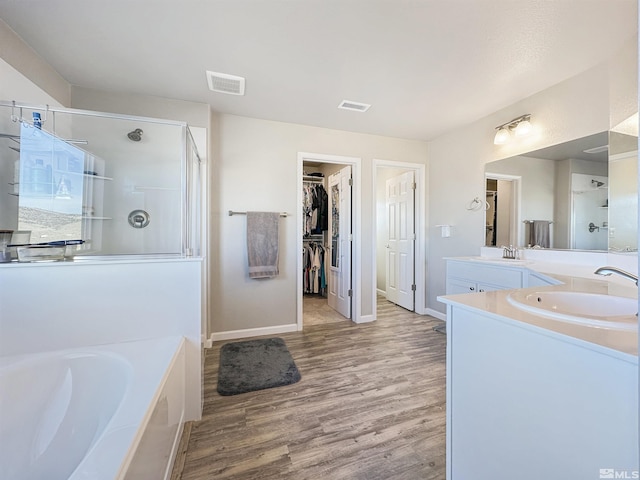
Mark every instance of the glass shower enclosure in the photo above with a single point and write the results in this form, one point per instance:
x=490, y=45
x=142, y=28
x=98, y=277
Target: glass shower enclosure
x=122, y=185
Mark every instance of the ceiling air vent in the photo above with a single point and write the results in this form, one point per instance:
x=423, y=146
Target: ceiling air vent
x=595, y=150
x=225, y=83
x=354, y=106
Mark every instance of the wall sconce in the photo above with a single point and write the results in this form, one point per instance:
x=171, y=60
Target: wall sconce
x=520, y=126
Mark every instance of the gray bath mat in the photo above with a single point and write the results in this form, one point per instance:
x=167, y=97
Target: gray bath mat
x=255, y=365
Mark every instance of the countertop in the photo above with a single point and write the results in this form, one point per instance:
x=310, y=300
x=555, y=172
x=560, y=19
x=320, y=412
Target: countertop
x=622, y=344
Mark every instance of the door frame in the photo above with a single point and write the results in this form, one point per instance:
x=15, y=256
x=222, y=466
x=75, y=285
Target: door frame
x=517, y=227
x=356, y=230
x=420, y=223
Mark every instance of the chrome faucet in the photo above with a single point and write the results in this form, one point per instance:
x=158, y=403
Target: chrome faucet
x=510, y=252
x=606, y=271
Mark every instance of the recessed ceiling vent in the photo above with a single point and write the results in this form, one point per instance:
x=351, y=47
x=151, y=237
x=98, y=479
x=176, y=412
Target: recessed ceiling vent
x=225, y=83
x=354, y=106
x=595, y=150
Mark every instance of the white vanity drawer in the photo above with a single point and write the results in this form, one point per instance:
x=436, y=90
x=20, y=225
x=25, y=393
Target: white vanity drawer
x=458, y=285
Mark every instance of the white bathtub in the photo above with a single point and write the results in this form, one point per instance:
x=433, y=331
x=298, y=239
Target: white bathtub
x=83, y=413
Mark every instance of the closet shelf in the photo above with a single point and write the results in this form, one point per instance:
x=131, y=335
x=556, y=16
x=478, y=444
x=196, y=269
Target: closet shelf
x=312, y=179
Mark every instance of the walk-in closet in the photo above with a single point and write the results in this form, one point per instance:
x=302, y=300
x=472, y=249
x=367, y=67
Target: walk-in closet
x=316, y=243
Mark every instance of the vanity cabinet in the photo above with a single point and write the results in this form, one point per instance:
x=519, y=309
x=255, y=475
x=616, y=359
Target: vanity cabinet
x=470, y=277
x=526, y=403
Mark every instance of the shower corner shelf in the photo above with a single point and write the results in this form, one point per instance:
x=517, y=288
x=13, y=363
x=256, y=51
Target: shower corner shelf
x=140, y=188
x=87, y=175
x=97, y=177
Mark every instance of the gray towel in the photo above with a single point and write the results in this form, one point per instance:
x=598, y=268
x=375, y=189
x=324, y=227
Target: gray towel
x=262, y=244
x=539, y=233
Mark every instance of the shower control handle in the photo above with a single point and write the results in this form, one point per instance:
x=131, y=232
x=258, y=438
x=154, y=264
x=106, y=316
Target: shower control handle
x=139, y=219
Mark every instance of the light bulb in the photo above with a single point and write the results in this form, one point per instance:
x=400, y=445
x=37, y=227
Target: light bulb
x=502, y=136
x=523, y=128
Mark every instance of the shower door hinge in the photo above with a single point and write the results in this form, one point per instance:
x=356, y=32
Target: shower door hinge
x=350, y=293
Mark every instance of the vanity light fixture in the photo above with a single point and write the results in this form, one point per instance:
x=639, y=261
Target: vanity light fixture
x=520, y=126
x=503, y=135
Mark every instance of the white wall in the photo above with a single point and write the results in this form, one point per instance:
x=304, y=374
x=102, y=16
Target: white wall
x=623, y=203
x=46, y=307
x=575, y=108
x=257, y=171
x=43, y=78
x=193, y=113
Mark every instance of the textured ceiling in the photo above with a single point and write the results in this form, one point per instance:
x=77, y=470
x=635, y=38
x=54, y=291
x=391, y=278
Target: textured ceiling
x=427, y=66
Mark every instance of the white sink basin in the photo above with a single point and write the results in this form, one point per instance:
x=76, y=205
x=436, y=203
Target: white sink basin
x=596, y=310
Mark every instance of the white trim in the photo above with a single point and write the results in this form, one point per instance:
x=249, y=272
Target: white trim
x=365, y=319
x=356, y=218
x=252, y=332
x=622, y=156
x=379, y=291
x=518, y=227
x=437, y=314
x=421, y=219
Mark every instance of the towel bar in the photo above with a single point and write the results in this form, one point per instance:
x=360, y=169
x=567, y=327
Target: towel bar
x=231, y=213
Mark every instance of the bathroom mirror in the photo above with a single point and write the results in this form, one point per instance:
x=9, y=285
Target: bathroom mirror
x=555, y=197
x=623, y=186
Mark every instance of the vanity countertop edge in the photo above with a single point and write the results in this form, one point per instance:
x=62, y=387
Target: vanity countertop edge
x=617, y=343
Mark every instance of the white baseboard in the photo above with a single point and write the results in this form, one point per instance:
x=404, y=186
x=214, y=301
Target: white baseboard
x=381, y=292
x=251, y=332
x=422, y=310
x=438, y=315
x=365, y=319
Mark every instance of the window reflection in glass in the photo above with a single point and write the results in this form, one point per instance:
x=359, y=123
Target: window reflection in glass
x=51, y=186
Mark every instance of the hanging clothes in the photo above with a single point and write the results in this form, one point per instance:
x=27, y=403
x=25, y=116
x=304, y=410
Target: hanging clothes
x=321, y=207
x=315, y=209
x=314, y=277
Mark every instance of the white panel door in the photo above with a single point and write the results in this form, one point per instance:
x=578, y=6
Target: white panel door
x=400, y=206
x=339, y=288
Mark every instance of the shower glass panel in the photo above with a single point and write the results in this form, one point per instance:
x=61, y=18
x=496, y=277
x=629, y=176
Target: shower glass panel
x=125, y=185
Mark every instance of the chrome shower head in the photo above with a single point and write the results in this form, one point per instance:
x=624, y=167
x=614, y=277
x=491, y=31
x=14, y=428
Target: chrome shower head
x=136, y=135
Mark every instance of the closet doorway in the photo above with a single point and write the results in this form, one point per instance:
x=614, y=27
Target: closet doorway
x=326, y=287
x=400, y=220
x=502, y=212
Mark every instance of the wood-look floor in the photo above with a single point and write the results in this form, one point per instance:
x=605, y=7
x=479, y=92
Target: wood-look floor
x=370, y=405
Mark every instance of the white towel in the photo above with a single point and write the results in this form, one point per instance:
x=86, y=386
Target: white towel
x=262, y=244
